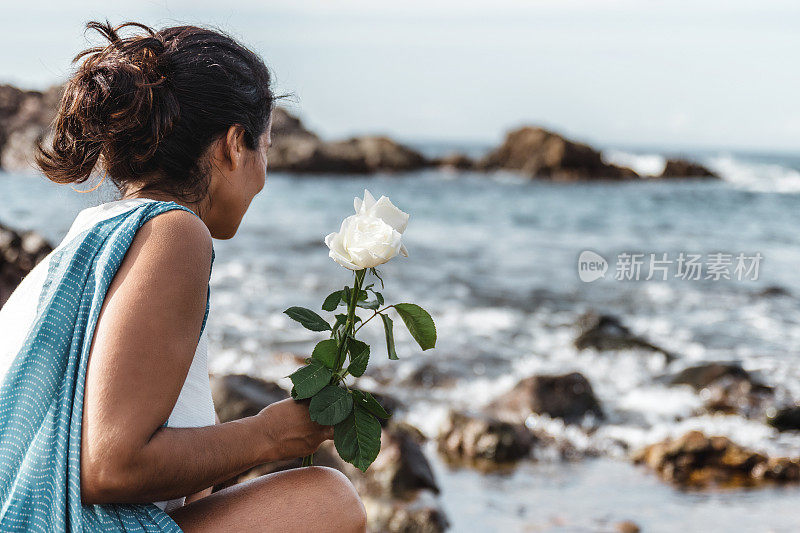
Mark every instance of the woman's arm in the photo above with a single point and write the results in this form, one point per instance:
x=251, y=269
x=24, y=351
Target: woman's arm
x=207, y=491
x=143, y=345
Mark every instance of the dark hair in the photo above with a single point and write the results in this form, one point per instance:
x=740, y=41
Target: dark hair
x=146, y=107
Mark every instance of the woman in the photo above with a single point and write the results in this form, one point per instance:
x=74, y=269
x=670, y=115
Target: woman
x=106, y=419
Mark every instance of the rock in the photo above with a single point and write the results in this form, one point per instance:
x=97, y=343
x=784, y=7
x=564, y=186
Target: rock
x=700, y=461
x=568, y=396
x=484, y=441
x=786, y=419
x=607, y=333
x=727, y=388
x=19, y=253
x=285, y=125
x=681, y=168
x=627, y=526
x=296, y=149
x=359, y=155
x=539, y=153
x=420, y=515
x=25, y=118
x=773, y=291
x=455, y=161
x=401, y=467
x=701, y=376
x=239, y=395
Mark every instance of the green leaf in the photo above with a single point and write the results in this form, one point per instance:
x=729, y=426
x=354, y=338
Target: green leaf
x=326, y=352
x=388, y=328
x=358, y=364
x=331, y=405
x=369, y=402
x=332, y=301
x=379, y=297
x=358, y=438
x=355, y=347
x=310, y=379
x=419, y=324
x=308, y=318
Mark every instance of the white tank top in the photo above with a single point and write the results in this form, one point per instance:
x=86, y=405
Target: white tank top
x=194, y=407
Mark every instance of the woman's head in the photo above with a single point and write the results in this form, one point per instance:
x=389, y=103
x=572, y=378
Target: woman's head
x=183, y=112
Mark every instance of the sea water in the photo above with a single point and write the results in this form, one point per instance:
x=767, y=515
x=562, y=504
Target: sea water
x=494, y=258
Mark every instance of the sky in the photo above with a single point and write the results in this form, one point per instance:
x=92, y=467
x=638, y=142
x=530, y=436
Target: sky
x=674, y=74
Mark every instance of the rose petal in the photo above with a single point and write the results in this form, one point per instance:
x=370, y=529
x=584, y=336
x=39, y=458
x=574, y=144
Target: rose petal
x=386, y=211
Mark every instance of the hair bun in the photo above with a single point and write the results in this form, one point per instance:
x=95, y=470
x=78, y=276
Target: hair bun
x=146, y=106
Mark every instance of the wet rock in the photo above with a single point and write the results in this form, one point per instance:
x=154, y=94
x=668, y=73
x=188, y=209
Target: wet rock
x=727, y=388
x=19, y=253
x=239, y=395
x=455, y=161
x=773, y=291
x=483, y=440
x=568, y=396
x=25, y=118
x=401, y=467
x=786, y=419
x=699, y=461
x=420, y=515
x=607, y=333
x=542, y=154
x=701, y=376
x=681, y=168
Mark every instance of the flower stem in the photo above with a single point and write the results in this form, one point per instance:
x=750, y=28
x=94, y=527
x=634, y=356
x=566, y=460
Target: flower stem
x=351, y=317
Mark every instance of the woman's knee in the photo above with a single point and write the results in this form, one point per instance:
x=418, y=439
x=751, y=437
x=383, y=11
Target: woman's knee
x=340, y=495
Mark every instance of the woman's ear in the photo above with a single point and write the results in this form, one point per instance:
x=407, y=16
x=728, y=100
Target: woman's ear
x=231, y=147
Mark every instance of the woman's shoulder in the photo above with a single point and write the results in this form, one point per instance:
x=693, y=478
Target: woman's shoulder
x=176, y=236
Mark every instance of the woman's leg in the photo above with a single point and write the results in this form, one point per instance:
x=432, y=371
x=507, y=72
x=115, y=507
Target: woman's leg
x=315, y=499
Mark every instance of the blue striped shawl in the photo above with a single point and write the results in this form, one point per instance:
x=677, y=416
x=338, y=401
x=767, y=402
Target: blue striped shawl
x=41, y=397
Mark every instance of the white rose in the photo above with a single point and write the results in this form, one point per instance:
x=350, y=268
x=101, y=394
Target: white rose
x=370, y=237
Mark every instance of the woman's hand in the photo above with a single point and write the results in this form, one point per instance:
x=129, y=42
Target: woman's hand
x=290, y=431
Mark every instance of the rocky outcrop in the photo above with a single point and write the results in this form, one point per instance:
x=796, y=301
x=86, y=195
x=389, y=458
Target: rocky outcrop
x=681, y=168
x=19, y=253
x=296, y=149
x=358, y=155
x=607, y=333
x=25, y=118
x=700, y=461
x=568, y=396
x=542, y=154
x=484, y=441
x=399, y=487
